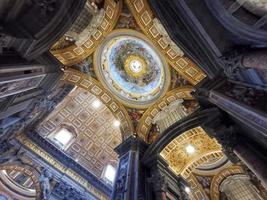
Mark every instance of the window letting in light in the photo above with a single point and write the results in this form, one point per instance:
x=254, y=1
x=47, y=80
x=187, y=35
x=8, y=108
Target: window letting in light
x=109, y=174
x=62, y=137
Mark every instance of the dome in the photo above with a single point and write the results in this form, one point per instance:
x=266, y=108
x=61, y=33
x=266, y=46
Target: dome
x=132, y=69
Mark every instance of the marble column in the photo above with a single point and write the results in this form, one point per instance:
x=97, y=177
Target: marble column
x=159, y=184
x=239, y=187
x=129, y=182
x=237, y=147
x=244, y=104
x=254, y=163
x=164, y=182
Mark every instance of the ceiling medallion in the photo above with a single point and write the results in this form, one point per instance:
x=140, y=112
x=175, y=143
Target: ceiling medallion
x=130, y=66
x=135, y=66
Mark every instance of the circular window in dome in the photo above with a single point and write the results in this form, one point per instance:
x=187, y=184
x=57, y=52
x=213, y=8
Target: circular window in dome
x=132, y=69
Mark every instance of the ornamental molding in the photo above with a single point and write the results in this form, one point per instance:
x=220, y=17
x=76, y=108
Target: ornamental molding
x=60, y=167
x=145, y=122
x=94, y=87
x=155, y=31
x=75, y=54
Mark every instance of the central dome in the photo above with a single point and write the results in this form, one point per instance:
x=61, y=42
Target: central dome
x=132, y=69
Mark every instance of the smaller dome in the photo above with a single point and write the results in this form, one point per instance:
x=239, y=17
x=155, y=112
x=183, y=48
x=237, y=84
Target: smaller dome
x=132, y=69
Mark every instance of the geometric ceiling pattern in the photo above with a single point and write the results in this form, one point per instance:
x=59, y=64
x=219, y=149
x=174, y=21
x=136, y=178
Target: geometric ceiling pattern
x=145, y=122
x=180, y=159
x=74, y=54
x=218, y=178
x=19, y=183
x=150, y=26
x=88, y=83
x=96, y=134
x=154, y=30
x=136, y=83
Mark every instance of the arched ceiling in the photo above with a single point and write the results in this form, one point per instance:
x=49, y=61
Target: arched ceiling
x=27, y=188
x=149, y=25
x=145, y=122
x=95, y=88
x=74, y=54
x=218, y=178
x=183, y=162
x=95, y=133
x=137, y=90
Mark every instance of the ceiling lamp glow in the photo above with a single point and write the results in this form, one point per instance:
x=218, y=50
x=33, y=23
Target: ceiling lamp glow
x=187, y=189
x=96, y=104
x=117, y=123
x=190, y=149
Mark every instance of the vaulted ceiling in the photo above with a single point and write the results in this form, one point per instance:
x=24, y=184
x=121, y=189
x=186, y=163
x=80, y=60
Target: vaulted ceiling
x=125, y=59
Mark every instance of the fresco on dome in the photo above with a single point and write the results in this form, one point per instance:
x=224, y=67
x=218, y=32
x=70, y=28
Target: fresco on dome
x=126, y=20
x=132, y=69
x=117, y=57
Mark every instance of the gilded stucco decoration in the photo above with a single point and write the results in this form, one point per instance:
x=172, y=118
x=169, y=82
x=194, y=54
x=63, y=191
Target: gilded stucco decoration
x=200, y=173
x=94, y=130
x=218, y=179
x=158, y=35
x=94, y=87
x=203, y=160
x=197, y=192
x=145, y=122
x=128, y=65
x=62, y=168
x=75, y=54
x=27, y=172
x=179, y=159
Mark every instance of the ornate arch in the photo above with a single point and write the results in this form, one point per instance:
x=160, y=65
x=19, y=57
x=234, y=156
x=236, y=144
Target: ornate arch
x=218, y=179
x=145, y=19
x=194, y=164
x=171, y=96
x=74, y=54
x=32, y=173
x=179, y=160
x=94, y=87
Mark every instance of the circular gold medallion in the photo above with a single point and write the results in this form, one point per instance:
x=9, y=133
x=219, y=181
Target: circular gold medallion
x=135, y=66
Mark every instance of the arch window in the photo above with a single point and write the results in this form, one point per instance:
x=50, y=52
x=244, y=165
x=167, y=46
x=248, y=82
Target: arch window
x=62, y=137
x=109, y=174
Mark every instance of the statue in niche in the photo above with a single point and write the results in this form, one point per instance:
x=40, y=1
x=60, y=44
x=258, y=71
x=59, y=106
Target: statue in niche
x=45, y=184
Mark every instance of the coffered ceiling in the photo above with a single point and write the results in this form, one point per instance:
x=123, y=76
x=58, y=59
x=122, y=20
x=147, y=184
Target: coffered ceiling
x=96, y=134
